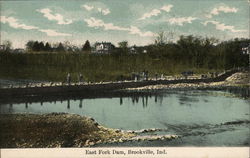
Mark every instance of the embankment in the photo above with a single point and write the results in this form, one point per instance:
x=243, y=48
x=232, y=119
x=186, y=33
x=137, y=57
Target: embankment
x=97, y=88
x=61, y=130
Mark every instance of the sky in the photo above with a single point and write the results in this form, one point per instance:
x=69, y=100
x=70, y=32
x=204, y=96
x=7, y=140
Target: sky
x=136, y=21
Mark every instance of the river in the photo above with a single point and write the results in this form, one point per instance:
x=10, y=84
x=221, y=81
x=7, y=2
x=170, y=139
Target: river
x=200, y=117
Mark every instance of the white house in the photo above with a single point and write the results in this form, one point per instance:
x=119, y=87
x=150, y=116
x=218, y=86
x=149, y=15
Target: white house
x=103, y=47
x=2, y=47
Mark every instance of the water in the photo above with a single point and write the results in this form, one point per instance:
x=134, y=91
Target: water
x=201, y=118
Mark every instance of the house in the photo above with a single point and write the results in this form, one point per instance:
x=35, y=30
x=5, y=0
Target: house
x=133, y=50
x=19, y=50
x=137, y=49
x=2, y=48
x=103, y=47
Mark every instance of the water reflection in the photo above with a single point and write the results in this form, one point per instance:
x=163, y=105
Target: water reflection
x=121, y=101
x=68, y=104
x=80, y=104
x=187, y=99
x=239, y=91
x=142, y=100
x=184, y=98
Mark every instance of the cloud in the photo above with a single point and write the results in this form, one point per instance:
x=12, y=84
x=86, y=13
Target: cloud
x=98, y=23
x=100, y=10
x=225, y=9
x=103, y=11
x=135, y=30
x=53, y=33
x=167, y=8
x=156, y=12
x=87, y=7
x=223, y=27
x=13, y=22
x=181, y=20
x=54, y=17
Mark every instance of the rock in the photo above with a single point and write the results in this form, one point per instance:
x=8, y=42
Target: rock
x=91, y=143
x=87, y=142
x=117, y=131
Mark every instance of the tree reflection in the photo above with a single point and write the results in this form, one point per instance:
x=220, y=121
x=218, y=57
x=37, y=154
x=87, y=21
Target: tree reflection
x=68, y=104
x=143, y=99
x=121, y=101
x=80, y=104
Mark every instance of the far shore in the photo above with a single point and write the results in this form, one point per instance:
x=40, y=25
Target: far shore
x=239, y=79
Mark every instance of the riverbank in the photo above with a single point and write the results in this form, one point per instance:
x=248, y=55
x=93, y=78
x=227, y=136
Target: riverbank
x=62, y=130
x=239, y=79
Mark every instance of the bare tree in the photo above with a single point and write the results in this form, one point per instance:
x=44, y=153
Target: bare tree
x=164, y=37
x=8, y=45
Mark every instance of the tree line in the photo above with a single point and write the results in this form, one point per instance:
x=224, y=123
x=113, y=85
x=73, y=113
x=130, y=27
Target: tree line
x=40, y=46
x=189, y=52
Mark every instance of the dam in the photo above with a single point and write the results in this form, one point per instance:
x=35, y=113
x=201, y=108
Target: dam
x=97, y=88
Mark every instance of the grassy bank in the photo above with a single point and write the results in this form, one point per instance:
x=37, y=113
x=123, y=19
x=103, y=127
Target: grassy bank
x=54, y=67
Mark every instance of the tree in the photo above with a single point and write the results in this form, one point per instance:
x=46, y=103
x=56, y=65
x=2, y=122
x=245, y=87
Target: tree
x=47, y=47
x=60, y=48
x=123, y=44
x=30, y=45
x=164, y=38
x=8, y=45
x=161, y=39
x=41, y=46
x=36, y=46
x=67, y=46
x=86, y=46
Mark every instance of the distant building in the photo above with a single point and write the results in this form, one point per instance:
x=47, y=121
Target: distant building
x=245, y=50
x=103, y=47
x=133, y=50
x=137, y=49
x=19, y=50
x=2, y=47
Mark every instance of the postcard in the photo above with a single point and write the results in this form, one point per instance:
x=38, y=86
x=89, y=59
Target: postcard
x=131, y=78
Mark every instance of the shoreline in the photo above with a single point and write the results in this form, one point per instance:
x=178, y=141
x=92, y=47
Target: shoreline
x=238, y=79
x=237, y=82
x=99, y=88
x=72, y=130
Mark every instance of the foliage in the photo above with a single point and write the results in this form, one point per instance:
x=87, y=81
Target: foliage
x=41, y=47
x=60, y=48
x=8, y=45
x=195, y=53
x=123, y=47
x=123, y=44
x=86, y=46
